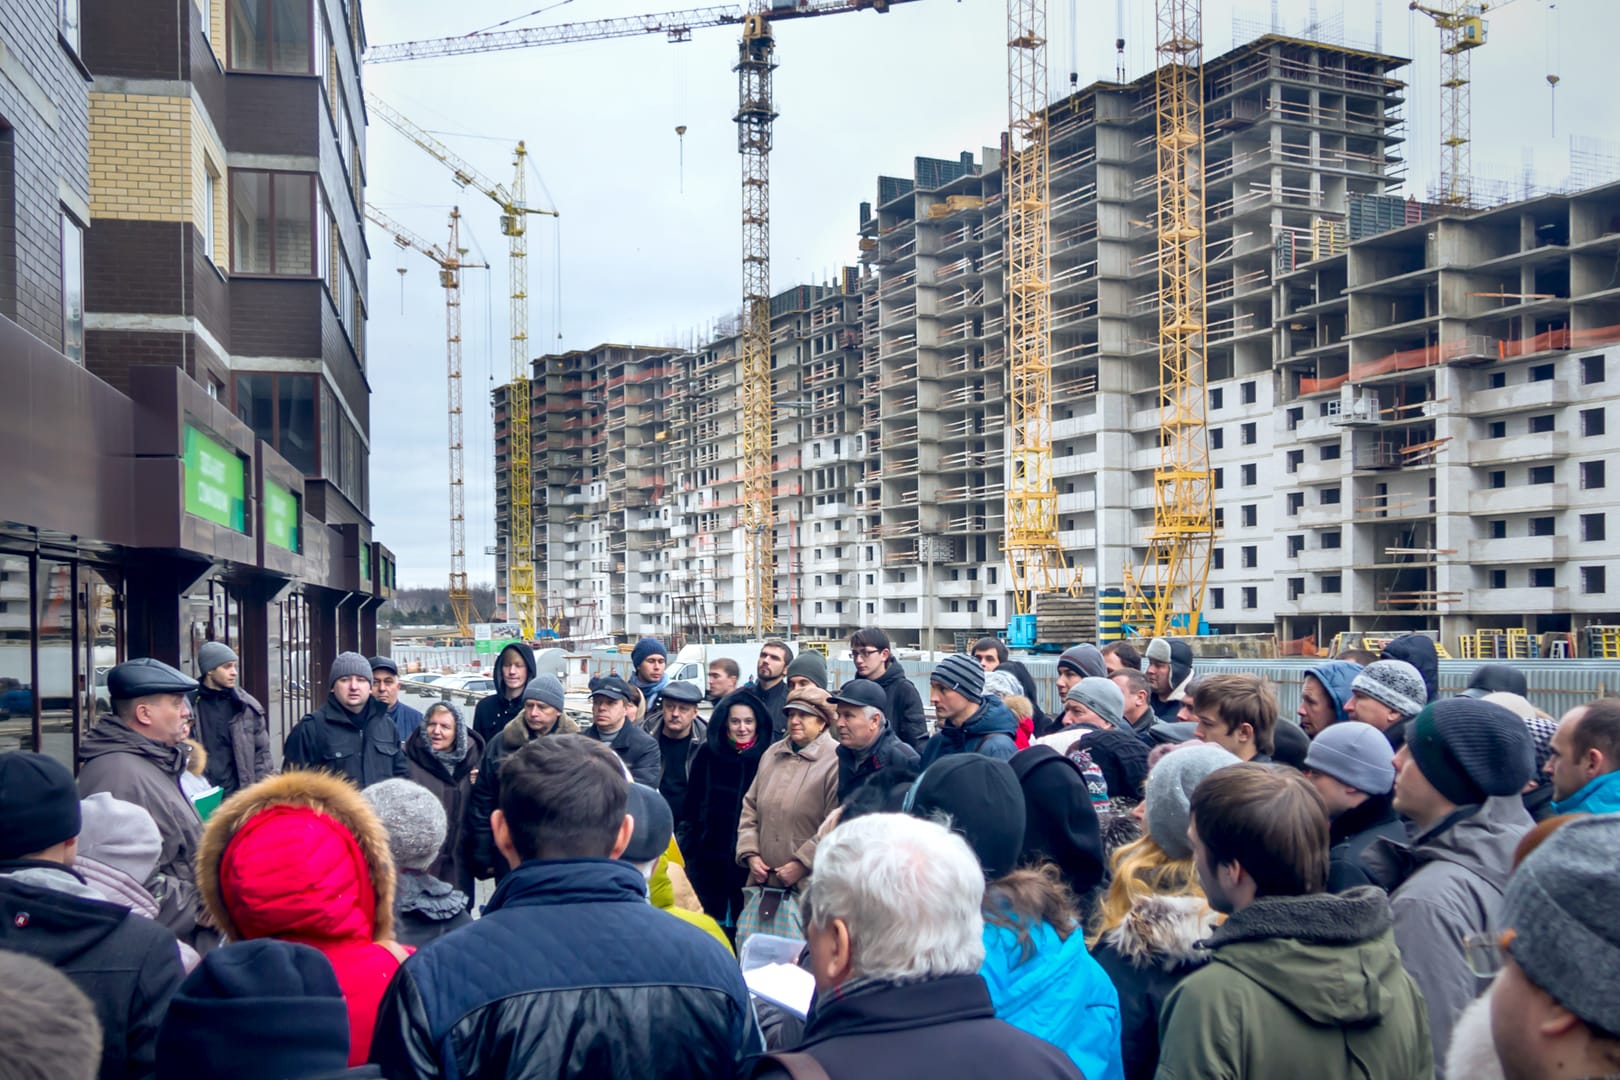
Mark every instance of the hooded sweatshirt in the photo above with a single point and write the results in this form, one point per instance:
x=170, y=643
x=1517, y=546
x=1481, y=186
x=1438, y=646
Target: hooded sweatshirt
x=494, y=711
x=1299, y=986
x=989, y=732
x=905, y=711
x=1181, y=669
x=1336, y=677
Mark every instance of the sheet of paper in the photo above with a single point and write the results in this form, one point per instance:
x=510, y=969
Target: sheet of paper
x=786, y=985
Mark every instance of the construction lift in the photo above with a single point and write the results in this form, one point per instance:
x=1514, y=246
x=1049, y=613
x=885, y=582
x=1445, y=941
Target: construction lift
x=755, y=115
x=1035, y=559
x=450, y=260
x=515, y=211
x=1167, y=595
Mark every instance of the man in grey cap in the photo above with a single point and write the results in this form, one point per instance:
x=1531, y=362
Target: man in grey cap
x=385, y=688
x=351, y=734
x=1387, y=694
x=680, y=735
x=1555, y=1007
x=228, y=722
x=137, y=755
x=1350, y=767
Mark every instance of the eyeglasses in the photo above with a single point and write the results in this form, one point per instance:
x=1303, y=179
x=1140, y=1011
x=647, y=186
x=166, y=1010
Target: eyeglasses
x=1487, y=951
x=865, y=652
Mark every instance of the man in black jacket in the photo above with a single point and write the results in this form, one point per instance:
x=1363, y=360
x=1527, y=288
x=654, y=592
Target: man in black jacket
x=874, y=660
x=1350, y=766
x=991, y=653
x=570, y=972
x=515, y=669
x=680, y=735
x=126, y=965
x=351, y=735
x=610, y=696
x=228, y=722
x=866, y=743
x=770, y=683
x=542, y=715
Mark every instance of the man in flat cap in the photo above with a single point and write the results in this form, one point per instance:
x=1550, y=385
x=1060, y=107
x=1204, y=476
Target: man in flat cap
x=138, y=754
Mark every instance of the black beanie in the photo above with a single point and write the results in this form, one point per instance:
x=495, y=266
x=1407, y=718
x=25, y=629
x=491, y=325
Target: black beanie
x=256, y=1010
x=1060, y=823
x=38, y=802
x=1496, y=678
x=1290, y=744
x=1471, y=749
x=985, y=805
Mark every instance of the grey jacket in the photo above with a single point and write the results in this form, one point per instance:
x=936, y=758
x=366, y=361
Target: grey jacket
x=250, y=740
x=1447, y=884
x=131, y=767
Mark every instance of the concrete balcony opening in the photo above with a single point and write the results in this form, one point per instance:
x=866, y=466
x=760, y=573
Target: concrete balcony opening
x=1505, y=451
x=1519, y=499
x=1517, y=549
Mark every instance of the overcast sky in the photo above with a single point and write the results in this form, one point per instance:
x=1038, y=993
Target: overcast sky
x=647, y=252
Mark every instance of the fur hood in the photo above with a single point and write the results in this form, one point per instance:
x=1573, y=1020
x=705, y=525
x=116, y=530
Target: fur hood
x=1164, y=931
x=321, y=792
x=198, y=761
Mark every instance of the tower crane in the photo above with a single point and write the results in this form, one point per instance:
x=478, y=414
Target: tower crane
x=755, y=115
x=1168, y=593
x=515, y=210
x=1461, y=31
x=449, y=260
x=1035, y=559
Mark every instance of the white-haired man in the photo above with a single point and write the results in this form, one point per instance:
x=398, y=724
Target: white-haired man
x=896, y=940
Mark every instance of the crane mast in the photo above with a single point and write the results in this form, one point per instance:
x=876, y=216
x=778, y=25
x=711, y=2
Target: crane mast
x=1461, y=31
x=1168, y=594
x=1035, y=559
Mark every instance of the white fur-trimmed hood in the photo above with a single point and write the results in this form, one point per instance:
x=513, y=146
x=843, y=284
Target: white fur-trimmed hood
x=1164, y=930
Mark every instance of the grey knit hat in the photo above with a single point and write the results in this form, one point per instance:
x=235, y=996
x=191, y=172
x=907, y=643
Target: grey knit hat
x=961, y=673
x=1085, y=660
x=1101, y=696
x=1356, y=754
x=212, y=654
x=1559, y=909
x=811, y=665
x=1158, y=649
x=1170, y=788
x=1394, y=683
x=414, y=819
x=346, y=664
x=1003, y=684
x=546, y=690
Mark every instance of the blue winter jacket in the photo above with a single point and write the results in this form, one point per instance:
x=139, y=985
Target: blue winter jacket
x=990, y=732
x=1600, y=795
x=1336, y=677
x=1060, y=994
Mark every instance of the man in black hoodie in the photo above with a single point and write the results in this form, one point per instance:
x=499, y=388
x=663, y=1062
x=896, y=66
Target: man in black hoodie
x=351, y=735
x=1060, y=822
x=874, y=660
x=514, y=669
x=1418, y=650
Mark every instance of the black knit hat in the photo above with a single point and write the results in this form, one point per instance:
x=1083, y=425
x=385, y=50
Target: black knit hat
x=1060, y=823
x=38, y=803
x=1471, y=749
x=984, y=802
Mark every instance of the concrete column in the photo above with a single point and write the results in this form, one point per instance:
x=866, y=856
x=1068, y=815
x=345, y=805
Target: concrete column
x=323, y=638
x=155, y=583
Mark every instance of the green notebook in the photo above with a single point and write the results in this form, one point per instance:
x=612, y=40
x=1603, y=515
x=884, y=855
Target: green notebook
x=208, y=801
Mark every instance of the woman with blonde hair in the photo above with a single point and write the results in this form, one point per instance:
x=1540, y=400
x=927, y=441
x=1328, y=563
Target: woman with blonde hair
x=1147, y=925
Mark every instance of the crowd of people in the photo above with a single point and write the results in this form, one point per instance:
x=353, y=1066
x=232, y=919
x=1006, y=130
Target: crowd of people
x=1161, y=877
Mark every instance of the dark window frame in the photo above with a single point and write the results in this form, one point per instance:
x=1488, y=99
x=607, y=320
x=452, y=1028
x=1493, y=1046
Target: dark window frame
x=265, y=5
x=315, y=209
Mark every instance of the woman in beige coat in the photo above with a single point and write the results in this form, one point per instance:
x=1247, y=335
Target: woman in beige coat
x=794, y=791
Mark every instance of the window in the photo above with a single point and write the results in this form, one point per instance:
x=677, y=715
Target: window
x=271, y=35
x=1332, y=583
x=1541, y=474
x=210, y=200
x=1220, y=517
x=1251, y=556
x=1329, y=452
x=1594, y=580
x=1498, y=479
x=272, y=223
x=1218, y=558
x=1541, y=373
x=1220, y=478
x=1542, y=424
x=67, y=22
x=72, y=289
x=1251, y=475
x=1247, y=434
x=1592, y=475
x=1328, y=496
x=1498, y=380
x=1251, y=516
x=1592, y=369
x=1592, y=422
x=1498, y=429
x=1542, y=526
x=1332, y=540
x=1499, y=529
x=1249, y=392
x=1295, y=415
x=1216, y=397
x=281, y=410
x=1296, y=501
x=1251, y=598
x=1593, y=528
x=1296, y=588
x=1217, y=597
x=1216, y=438
x=1543, y=577
x=1296, y=544
x=1296, y=458
x=1498, y=579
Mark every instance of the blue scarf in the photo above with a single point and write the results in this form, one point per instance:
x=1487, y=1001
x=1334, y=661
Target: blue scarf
x=650, y=690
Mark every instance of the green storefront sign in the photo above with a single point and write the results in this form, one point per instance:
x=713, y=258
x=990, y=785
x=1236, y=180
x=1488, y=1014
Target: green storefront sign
x=280, y=516
x=215, y=487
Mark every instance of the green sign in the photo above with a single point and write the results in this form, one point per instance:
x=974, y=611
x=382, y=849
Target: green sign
x=365, y=561
x=214, y=481
x=280, y=516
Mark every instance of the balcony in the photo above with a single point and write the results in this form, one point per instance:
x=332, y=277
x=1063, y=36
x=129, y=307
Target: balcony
x=1317, y=603
x=1525, y=397
x=1316, y=517
x=1516, y=602
x=1319, y=560
x=1518, y=549
x=1521, y=499
x=1077, y=502
x=1546, y=444
x=1320, y=472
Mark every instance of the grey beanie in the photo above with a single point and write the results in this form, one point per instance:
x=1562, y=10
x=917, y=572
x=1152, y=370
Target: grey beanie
x=1394, y=683
x=810, y=665
x=212, y=654
x=546, y=690
x=1101, y=696
x=120, y=834
x=1170, y=788
x=1086, y=660
x=346, y=664
x=1356, y=754
x=414, y=819
x=961, y=673
x=1003, y=684
x=1559, y=909
x=1158, y=649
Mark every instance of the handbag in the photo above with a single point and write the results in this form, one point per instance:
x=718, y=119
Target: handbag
x=768, y=909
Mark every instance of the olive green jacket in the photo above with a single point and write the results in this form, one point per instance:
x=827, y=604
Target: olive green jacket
x=1307, y=986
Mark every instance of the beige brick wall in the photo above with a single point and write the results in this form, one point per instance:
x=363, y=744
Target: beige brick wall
x=208, y=159
x=140, y=157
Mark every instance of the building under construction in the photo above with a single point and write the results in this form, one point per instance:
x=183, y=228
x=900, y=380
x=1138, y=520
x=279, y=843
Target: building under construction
x=1360, y=401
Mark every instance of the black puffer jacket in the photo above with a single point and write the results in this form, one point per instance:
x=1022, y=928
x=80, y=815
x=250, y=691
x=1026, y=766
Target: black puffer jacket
x=364, y=748
x=570, y=972
x=496, y=710
x=128, y=966
x=720, y=777
x=1145, y=956
x=905, y=711
x=454, y=790
x=478, y=844
x=886, y=752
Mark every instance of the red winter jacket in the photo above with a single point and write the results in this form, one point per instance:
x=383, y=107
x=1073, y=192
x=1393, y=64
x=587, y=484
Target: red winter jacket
x=301, y=857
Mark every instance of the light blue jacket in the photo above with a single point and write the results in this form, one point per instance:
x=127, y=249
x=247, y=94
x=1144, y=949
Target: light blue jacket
x=1059, y=994
x=1601, y=795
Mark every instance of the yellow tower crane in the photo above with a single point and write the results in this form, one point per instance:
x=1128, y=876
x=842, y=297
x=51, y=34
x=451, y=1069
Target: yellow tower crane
x=450, y=260
x=755, y=115
x=1462, y=29
x=520, y=591
x=1035, y=559
x=1167, y=595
